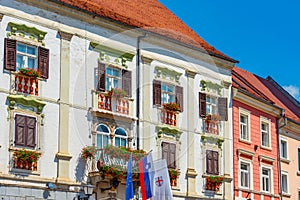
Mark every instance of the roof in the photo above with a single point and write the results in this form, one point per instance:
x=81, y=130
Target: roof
x=266, y=89
x=149, y=15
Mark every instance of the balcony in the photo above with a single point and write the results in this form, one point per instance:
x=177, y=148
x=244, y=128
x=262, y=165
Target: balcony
x=211, y=127
x=25, y=159
x=213, y=183
x=169, y=117
x=25, y=84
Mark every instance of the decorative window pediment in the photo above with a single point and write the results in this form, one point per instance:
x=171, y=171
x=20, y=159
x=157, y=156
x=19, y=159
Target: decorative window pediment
x=210, y=87
x=25, y=102
x=112, y=55
x=168, y=132
x=212, y=140
x=23, y=30
x=168, y=74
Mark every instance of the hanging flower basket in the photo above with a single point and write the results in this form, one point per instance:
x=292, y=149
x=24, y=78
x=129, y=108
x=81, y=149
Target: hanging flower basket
x=88, y=152
x=174, y=107
x=30, y=72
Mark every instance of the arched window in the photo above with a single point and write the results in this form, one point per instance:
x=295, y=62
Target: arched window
x=120, y=137
x=102, y=137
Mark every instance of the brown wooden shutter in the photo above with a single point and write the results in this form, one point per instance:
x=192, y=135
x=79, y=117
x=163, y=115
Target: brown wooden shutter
x=165, y=151
x=101, y=77
x=20, y=129
x=222, y=109
x=209, y=162
x=202, y=104
x=172, y=156
x=126, y=82
x=215, y=155
x=10, y=54
x=31, y=132
x=156, y=92
x=179, y=97
x=43, y=61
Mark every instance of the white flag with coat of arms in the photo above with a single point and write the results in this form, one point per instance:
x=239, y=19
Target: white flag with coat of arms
x=162, y=187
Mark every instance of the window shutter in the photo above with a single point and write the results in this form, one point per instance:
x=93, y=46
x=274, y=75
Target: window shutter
x=172, y=156
x=126, y=81
x=165, y=150
x=20, y=129
x=209, y=162
x=156, y=92
x=179, y=97
x=31, y=132
x=10, y=54
x=43, y=62
x=202, y=104
x=222, y=109
x=215, y=162
x=101, y=77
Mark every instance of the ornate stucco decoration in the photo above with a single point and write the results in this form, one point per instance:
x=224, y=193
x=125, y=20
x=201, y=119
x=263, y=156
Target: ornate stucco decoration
x=168, y=131
x=211, y=139
x=23, y=30
x=168, y=74
x=208, y=86
x=106, y=54
x=25, y=102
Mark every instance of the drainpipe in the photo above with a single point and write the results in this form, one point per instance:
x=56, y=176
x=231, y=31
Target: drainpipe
x=278, y=138
x=138, y=60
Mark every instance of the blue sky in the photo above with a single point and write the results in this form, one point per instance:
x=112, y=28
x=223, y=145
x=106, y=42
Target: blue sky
x=263, y=35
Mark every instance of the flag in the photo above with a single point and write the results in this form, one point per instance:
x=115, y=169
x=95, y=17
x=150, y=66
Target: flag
x=162, y=187
x=146, y=170
x=129, y=183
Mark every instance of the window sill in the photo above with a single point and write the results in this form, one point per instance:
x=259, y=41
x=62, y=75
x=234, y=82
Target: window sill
x=245, y=141
x=298, y=173
x=24, y=171
x=266, y=148
x=285, y=160
x=286, y=194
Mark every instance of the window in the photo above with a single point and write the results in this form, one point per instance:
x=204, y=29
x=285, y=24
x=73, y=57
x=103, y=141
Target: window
x=245, y=175
x=244, y=131
x=166, y=93
x=26, y=56
x=169, y=153
x=266, y=179
x=120, y=137
x=19, y=55
x=283, y=148
x=212, y=162
x=25, y=131
x=213, y=105
x=113, y=77
x=284, y=182
x=103, y=136
x=265, y=134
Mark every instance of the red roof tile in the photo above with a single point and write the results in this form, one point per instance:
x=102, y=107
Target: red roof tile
x=255, y=83
x=150, y=15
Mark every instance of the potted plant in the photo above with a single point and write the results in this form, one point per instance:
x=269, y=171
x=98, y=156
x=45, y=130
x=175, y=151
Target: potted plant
x=117, y=92
x=173, y=173
x=214, y=182
x=172, y=106
x=30, y=72
x=88, y=152
x=25, y=159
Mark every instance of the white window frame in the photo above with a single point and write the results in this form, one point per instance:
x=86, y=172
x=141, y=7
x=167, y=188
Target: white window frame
x=210, y=105
x=121, y=137
x=283, y=173
x=35, y=57
x=102, y=134
x=282, y=139
x=268, y=123
x=163, y=92
x=111, y=77
x=250, y=174
x=247, y=114
x=271, y=189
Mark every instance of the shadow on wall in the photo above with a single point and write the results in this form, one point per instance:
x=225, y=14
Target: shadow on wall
x=80, y=170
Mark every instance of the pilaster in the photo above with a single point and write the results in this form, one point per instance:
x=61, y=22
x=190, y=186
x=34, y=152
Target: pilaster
x=191, y=172
x=63, y=155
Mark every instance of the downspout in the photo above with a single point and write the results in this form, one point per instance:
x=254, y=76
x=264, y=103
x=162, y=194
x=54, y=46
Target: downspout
x=138, y=59
x=278, y=138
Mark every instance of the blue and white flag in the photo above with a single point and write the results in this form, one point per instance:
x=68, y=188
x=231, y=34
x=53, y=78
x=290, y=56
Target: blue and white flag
x=129, y=183
x=146, y=170
x=162, y=187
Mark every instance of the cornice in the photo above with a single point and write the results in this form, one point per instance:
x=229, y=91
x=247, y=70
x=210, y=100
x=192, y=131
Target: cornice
x=65, y=35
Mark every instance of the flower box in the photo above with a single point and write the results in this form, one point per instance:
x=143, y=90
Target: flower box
x=26, y=159
x=214, y=183
x=171, y=107
x=30, y=72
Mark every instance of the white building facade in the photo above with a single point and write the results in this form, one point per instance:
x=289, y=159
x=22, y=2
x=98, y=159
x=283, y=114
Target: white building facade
x=81, y=57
